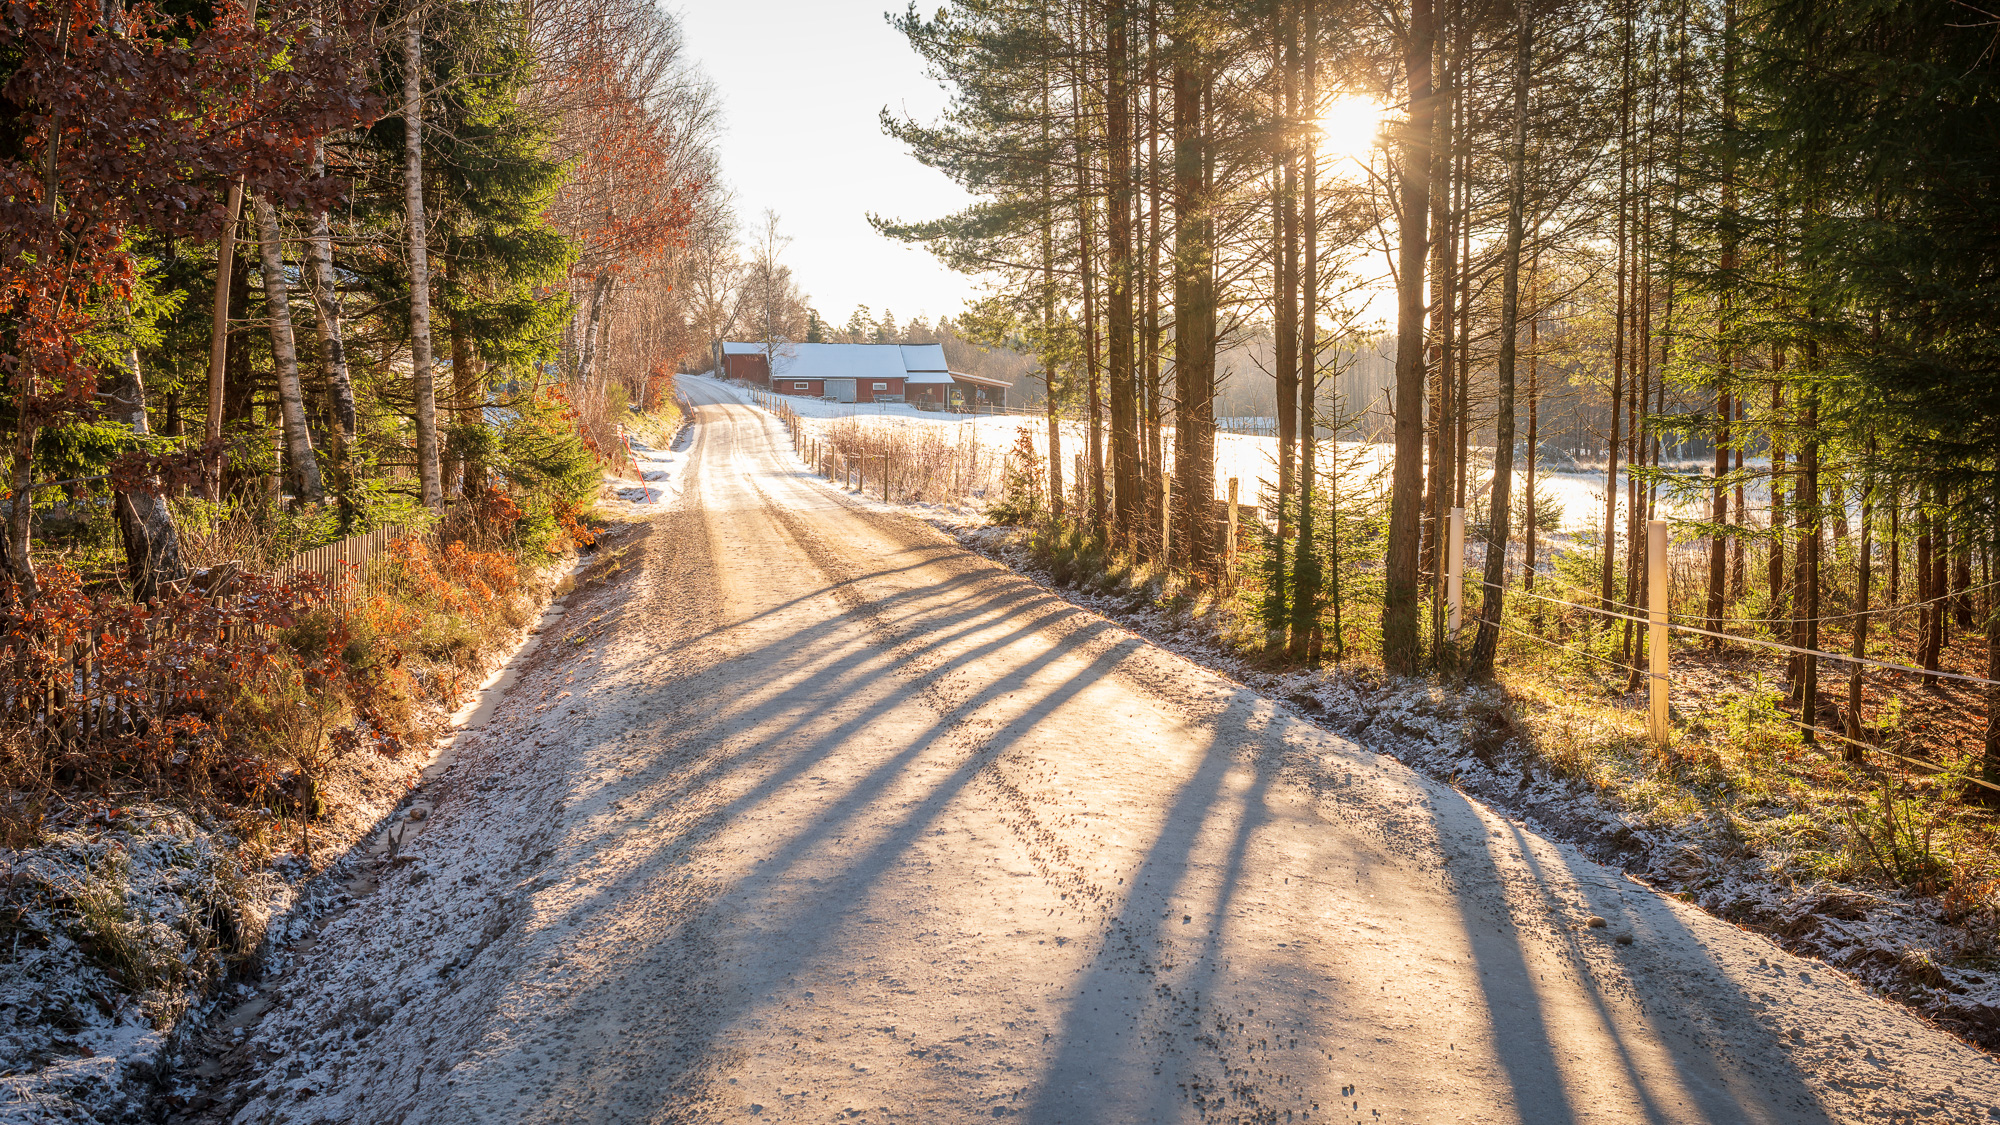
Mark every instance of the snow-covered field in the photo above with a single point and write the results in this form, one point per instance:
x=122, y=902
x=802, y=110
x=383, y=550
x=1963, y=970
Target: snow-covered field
x=1248, y=458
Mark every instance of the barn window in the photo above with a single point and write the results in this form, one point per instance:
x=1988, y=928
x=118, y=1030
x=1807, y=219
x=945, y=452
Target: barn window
x=881, y=386
x=801, y=386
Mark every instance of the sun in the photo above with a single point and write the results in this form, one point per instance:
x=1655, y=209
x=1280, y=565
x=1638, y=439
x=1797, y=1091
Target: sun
x=1349, y=131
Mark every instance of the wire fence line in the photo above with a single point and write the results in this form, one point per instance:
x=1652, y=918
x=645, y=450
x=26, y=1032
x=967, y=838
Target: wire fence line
x=1836, y=657
x=1658, y=618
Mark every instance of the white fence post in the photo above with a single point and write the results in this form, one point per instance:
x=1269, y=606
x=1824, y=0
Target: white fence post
x=1454, y=589
x=1229, y=549
x=1656, y=628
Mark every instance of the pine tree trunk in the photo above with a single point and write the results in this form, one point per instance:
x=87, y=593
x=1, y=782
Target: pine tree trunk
x=466, y=403
x=1122, y=371
x=1776, y=568
x=1155, y=437
x=1191, y=547
x=1961, y=577
x=1927, y=606
x=1492, y=597
x=1740, y=519
x=285, y=356
x=1895, y=542
x=1528, y=529
x=422, y=377
x=1608, y=569
x=1807, y=634
x=1444, y=284
x=1401, y=651
x=1049, y=385
x=1305, y=564
x=1864, y=573
x=1285, y=325
x=1718, y=543
x=1084, y=145
x=1989, y=765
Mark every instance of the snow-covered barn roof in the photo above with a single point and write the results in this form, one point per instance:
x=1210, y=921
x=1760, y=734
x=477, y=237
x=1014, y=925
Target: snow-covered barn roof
x=923, y=357
x=913, y=363
x=982, y=380
x=840, y=361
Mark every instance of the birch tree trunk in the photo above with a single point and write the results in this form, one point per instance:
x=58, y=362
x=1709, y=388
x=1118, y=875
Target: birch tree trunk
x=593, y=325
x=152, y=542
x=423, y=378
x=285, y=355
x=326, y=308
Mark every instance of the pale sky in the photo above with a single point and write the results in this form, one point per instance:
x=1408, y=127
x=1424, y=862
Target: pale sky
x=803, y=83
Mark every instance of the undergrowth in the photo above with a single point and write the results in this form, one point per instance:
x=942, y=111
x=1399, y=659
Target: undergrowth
x=168, y=770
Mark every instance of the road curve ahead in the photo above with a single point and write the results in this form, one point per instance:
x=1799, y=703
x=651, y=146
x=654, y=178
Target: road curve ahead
x=820, y=817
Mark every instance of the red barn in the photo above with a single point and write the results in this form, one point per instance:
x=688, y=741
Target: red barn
x=914, y=373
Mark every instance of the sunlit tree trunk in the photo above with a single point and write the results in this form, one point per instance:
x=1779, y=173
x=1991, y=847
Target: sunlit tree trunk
x=1284, y=316
x=1864, y=574
x=422, y=377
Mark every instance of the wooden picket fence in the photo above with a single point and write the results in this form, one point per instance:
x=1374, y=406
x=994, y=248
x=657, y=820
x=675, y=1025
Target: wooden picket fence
x=344, y=564
x=82, y=669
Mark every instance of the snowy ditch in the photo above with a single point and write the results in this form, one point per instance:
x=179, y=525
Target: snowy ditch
x=132, y=929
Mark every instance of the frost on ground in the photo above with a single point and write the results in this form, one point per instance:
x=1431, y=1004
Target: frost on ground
x=118, y=930
x=1939, y=957
x=112, y=928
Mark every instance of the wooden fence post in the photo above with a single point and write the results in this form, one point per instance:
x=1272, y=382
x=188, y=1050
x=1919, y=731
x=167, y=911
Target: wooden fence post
x=1656, y=629
x=1229, y=551
x=1455, y=575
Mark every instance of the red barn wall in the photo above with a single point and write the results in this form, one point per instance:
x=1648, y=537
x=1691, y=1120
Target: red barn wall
x=749, y=368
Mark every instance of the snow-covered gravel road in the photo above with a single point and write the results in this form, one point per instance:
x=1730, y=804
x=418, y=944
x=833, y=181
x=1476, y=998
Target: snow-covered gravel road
x=815, y=816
